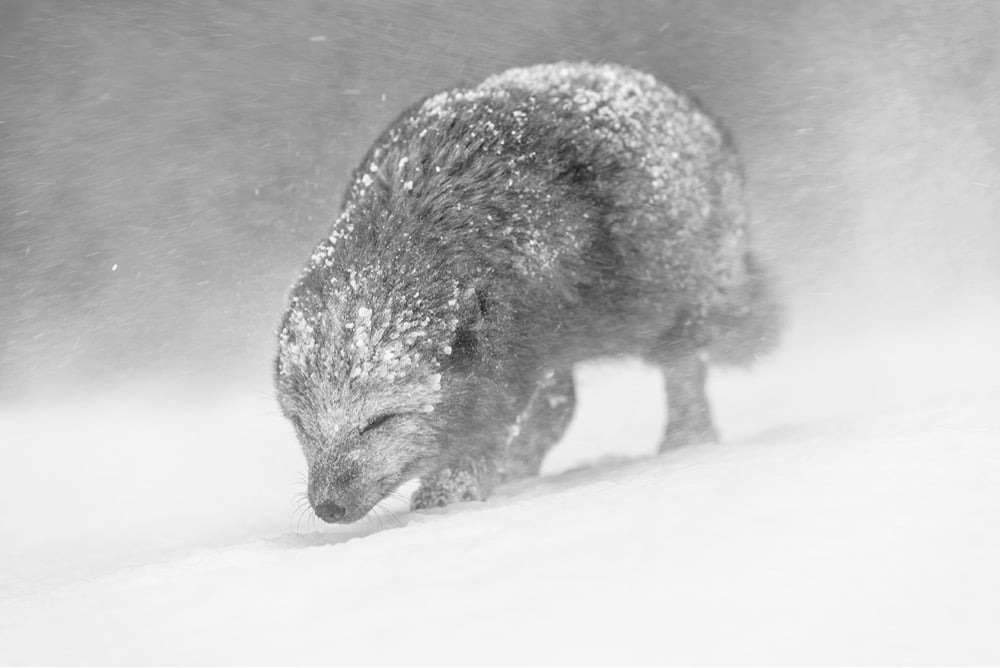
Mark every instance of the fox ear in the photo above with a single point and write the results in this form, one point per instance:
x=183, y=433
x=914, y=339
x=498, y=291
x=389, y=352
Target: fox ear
x=465, y=342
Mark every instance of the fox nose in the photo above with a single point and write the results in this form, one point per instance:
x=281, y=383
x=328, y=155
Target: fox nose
x=329, y=511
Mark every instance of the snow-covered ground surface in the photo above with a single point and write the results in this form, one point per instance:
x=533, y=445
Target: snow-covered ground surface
x=852, y=515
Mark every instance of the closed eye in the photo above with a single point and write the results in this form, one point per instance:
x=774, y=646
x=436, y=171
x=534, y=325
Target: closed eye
x=379, y=421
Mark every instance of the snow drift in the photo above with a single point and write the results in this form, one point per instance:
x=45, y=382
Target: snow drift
x=849, y=517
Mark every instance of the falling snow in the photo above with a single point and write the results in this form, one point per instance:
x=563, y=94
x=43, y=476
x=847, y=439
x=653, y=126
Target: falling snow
x=165, y=167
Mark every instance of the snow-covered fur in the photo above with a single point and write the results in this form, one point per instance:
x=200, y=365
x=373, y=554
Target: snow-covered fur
x=492, y=237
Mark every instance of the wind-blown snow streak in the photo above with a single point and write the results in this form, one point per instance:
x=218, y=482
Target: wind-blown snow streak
x=850, y=517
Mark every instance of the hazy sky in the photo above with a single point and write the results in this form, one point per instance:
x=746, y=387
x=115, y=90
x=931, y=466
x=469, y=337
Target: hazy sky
x=165, y=168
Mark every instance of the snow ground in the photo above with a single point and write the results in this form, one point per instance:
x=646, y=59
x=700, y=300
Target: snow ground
x=850, y=516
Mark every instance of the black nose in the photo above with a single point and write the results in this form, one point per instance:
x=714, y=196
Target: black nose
x=330, y=511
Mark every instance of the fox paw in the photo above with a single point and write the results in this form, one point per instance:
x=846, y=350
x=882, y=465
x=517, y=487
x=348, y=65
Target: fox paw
x=448, y=486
